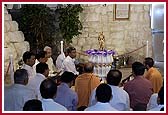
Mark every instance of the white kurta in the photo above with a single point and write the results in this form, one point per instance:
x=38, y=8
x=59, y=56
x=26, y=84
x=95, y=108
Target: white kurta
x=51, y=65
x=69, y=65
x=152, y=101
x=120, y=99
x=34, y=66
x=158, y=108
x=15, y=97
x=101, y=107
x=59, y=61
x=50, y=105
x=30, y=70
x=35, y=84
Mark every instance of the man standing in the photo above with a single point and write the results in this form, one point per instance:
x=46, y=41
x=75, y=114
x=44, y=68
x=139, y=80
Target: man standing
x=153, y=75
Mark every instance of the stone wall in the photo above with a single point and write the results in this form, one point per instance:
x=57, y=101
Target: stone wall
x=14, y=44
x=122, y=36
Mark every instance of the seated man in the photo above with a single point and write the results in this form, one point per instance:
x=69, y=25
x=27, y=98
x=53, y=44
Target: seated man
x=139, y=89
x=48, y=90
x=29, y=61
x=50, y=63
x=65, y=95
x=42, y=72
x=120, y=99
x=160, y=100
x=85, y=84
x=68, y=63
x=60, y=59
x=153, y=75
x=40, y=57
x=103, y=96
x=17, y=94
x=152, y=101
x=33, y=105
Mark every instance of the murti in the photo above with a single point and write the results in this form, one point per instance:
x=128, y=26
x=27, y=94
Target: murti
x=101, y=39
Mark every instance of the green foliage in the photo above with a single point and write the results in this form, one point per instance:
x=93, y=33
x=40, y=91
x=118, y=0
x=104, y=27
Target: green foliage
x=42, y=26
x=70, y=24
x=37, y=24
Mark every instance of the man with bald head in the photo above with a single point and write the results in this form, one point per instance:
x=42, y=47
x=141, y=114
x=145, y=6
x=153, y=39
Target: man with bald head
x=85, y=83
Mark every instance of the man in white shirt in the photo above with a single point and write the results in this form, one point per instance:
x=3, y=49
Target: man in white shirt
x=50, y=63
x=120, y=99
x=68, y=63
x=152, y=101
x=160, y=100
x=60, y=59
x=103, y=96
x=29, y=61
x=48, y=89
x=41, y=56
x=18, y=93
x=42, y=72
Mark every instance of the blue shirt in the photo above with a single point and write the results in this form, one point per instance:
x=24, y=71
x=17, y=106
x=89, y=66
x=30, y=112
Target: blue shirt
x=66, y=97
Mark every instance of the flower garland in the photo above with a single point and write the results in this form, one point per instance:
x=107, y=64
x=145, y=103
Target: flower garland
x=100, y=52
